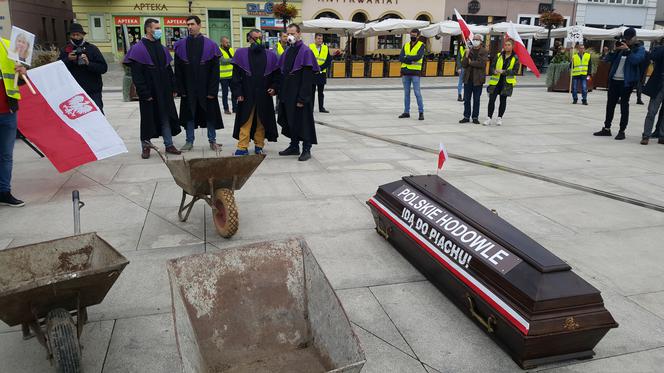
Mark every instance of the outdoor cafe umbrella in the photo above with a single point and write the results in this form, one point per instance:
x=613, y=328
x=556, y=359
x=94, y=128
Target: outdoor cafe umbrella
x=523, y=30
x=589, y=33
x=451, y=28
x=331, y=26
x=643, y=34
x=390, y=26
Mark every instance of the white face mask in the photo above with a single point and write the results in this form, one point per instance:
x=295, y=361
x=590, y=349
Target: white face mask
x=291, y=39
x=475, y=43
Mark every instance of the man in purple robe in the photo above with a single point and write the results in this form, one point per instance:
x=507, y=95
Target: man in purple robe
x=255, y=80
x=197, y=81
x=153, y=77
x=296, y=110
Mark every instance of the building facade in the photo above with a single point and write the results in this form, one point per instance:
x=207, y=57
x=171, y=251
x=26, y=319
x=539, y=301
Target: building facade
x=49, y=20
x=615, y=13
x=114, y=25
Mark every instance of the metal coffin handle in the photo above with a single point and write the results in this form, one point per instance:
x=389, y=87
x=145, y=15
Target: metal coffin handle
x=488, y=323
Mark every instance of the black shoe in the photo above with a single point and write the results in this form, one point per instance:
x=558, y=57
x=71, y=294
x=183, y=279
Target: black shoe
x=574, y=102
x=421, y=116
x=305, y=156
x=6, y=199
x=290, y=151
x=323, y=110
x=404, y=115
x=603, y=132
x=464, y=120
x=620, y=135
x=639, y=102
x=460, y=99
x=584, y=102
x=476, y=121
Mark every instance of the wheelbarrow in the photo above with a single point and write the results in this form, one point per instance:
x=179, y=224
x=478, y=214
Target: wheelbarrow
x=215, y=181
x=265, y=307
x=43, y=286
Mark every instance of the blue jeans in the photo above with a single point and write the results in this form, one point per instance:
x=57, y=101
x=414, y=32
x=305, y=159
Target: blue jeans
x=225, y=88
x=7, y=140
x=212, y=132
x=471, y=92
x=407, y=80
x=584, y=87
x=460, y=83
x=166, y=130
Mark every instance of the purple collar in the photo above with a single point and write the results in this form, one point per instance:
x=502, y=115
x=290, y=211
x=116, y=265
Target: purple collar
x=210, y=49
x=305, y=57
x=241, y=59
x=139, y=53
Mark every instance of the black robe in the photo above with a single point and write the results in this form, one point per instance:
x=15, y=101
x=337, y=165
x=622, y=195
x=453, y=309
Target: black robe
x=155, y=81
x=254, y=90
x=297, y=123
x=196, y=81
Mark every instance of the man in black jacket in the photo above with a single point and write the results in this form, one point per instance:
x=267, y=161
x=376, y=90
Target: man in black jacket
x=85, y=62
x=324, y=59
x=655, y=89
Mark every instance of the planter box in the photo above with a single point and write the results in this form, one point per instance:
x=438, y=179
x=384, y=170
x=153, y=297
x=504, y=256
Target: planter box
x=601, y=77
x=357, y=70
x=562, y=85
x=339, y=69
x=377, y=69
x=449, y=68
x=431, y=68
x=394, y=69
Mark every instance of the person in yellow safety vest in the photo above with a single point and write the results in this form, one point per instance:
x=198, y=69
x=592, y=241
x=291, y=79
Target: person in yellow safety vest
x=459, y=57
x=504, y=68
x=282, y=44
x=226, y=74
x=322, y=54
x=581, y=69
x=411, y=58
x=9, y=97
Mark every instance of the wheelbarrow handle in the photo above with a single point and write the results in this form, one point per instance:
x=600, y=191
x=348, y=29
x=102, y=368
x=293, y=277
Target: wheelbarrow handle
x=78, y=205
x=163, y=158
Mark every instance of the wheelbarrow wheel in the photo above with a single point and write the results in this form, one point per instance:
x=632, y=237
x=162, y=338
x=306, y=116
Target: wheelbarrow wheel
x=63, y=341
x=224, y=213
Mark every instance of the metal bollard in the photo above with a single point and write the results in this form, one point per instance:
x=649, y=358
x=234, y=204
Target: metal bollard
x=77, y=211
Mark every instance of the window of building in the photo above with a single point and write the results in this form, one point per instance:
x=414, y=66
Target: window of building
x=615, y=1
x=390, y=41
x=596, y=1
x=331, y=40
x=634, y=2
x=97, y=31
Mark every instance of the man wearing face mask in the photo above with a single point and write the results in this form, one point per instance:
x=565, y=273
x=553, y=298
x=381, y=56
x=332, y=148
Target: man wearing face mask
x=256, y=78
x=197, y=78
x=474, y=70
x=411, y=58
x=296, y=111
x=85, y=63
x=151, y=71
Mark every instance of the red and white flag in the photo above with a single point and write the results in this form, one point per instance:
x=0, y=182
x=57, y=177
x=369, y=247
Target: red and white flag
x=442, y=156
x=465, y=30
x=520, y=49
x=63, y=121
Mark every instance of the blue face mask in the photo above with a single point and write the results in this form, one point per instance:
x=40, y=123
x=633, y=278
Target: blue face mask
x=157, y=34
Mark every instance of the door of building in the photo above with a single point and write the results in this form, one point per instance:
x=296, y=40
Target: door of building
x=219, y=24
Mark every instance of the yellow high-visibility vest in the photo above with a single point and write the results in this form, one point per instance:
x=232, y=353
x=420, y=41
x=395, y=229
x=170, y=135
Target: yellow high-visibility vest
x=280, y=49
x=417, y=65
x=580, y=65
x=226, y=70
x=322, y=56
x=462, y=50
x=7, y=66
x=499, y=66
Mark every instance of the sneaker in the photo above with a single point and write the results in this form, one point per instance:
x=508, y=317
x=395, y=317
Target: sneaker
x=241, y=152
x=305, y=156
x=603, y=132
x=574, y=102
x=323, y=110
x=644, y=141
x=460, y=98
x=476, y=121
x=488, y=122
x=187, y=147
x=290, y=151
x=215, y=147
x=404, y=115
x=171, y=149
x=258, y=150
x=421, y=117
x=464, y=120
x=227, y=112
x=620, y=135
x=499, y=121
x=584, y=102
x=6, y=199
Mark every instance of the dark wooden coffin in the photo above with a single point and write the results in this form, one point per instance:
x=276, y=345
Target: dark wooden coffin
x=523, y=296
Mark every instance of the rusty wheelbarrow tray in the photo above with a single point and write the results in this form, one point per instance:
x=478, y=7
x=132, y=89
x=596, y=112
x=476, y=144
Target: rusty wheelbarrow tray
x=266, y=307
x=213, y=180
x=45, y=284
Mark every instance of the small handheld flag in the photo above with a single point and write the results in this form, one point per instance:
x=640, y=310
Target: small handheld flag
x=466, y=34
x=520, y=50
x=442, y=156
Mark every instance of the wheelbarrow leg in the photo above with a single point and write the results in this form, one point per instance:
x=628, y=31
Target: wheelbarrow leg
x=25, y=328
x=186, y=207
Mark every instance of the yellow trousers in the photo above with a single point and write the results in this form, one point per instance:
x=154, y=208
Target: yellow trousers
x=245, y=133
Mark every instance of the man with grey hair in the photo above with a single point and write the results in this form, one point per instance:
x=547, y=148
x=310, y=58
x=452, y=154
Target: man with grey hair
x=474, y=66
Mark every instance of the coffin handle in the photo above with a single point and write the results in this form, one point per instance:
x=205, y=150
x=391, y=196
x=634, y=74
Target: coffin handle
x=488, y=323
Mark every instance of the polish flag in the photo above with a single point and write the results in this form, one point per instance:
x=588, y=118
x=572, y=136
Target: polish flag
x=465, y=30
x=63, y=121
x=442, y=156
x=520, y=49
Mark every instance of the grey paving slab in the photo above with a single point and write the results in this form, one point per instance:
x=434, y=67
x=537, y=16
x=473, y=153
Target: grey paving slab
x=142, y=172
x=161, y=233
x=344, y=183
x=653, y=302
x=19, y=356
x=382, y=357
x=139, y=193
x=143, y=344
x=649, y=361
x=360, y=258
x=272, y=187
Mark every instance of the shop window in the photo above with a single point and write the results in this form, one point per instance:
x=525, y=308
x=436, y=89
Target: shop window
x=249, y=22
x=97, y=31
x=332, y=40
x=127, y=31
x=390, y=41
x=175, y=28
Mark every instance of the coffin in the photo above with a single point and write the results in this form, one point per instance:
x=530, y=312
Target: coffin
x=527, y=299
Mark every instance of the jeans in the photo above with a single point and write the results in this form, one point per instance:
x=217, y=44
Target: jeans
x=321, y=95
x=460, y=83
x=166, y=130
x=584, y=87
x=618, y=91
x=415, y=80
x=653, y=108
x=225, y=88
x=473, y=92
x=295, y=144
x=211, y=131
x=7, y=140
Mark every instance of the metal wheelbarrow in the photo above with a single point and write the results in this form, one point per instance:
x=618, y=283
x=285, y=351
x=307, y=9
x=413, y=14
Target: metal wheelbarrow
x=260, y=308
x=215, y=181
x=43, y=286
